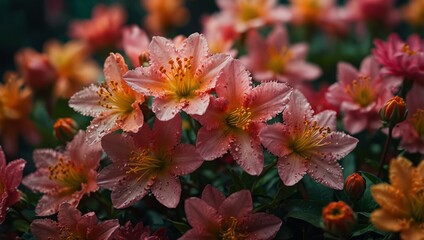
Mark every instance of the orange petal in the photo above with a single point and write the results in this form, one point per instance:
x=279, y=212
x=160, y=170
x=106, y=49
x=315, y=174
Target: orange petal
x=391, y=199
x=386, y=221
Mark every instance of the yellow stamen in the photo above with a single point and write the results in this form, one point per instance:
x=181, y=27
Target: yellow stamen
x=66, y=234
x=145, y=164
x=361, y=91
x=232, y=232
x=114, y=96
x=180, y=77
x=417, y=121
x=250, y=9
x=417, y=206
x=278, y=59
x=407, y=50
x=313, y=136
x=239, y=118
x=68, y=174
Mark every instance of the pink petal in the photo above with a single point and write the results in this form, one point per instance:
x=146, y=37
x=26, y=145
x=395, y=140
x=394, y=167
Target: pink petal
x=104, y=230
x=303, y=70
x=134, y=42
x=144, y=137
x=13, y=173
x=196, y=234
x=167, y=134
x=195, y=46
x=370, y=67
x=341, y=144
x=118, y=147
x=211, y=71
x=198, y=105
x=326, y=171
x=262, y=226
x=258, y=51
x=354, y=122
x=44, y=158
x=297, y=111
x=79, y=151
x=167, y=190
x=101, y=126
x=326, y=118
x=273, y=138
x=39, y=181
x=213, y=196
x=49, y=204
x=247, y=152
x=134, y=120
x=185, y=160
x=114, y=67
x=346, y=73
x=110, y=176
x=234, y=83
x=300, y=50
x=69, y=216
x=267, y=100
x=213, y=117
x=280, y=14
x=128, y=191
x=45, y=229
x=237, y=205
x=278, y=38
x=86, y=102
x=166, y=107
x=213, y=143
x=202, y=216
x=146, y=80
x=161, y=51
x=291, y=169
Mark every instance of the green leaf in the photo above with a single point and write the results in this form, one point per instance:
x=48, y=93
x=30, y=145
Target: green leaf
x=182, y=227
x=308, y=211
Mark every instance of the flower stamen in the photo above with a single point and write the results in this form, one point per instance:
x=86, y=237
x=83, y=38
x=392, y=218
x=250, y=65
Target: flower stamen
x=180, y=77
x=239, y=118
x=68, y=174
x=312, y=137
x=279, y=59
x=361, y=91
x=231, y=232
x=144, y=164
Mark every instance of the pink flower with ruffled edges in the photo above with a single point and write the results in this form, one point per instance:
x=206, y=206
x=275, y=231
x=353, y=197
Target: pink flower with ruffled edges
x=402, y=59
x=213, y=216
x=135, y=43
x=274, y=59
x=307, y=143
x=138, y=232
x=148, y=161
x=103, y=30
x=411, y=131
x=360, y=94
x=180, y=78
x=233, y=120
x=72, y=225
x=64, y=177
x=248, y=14
x=10, y=178
x=113, y=104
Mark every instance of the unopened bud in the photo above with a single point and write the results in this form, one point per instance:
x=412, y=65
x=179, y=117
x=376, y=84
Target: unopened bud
x=65, y=129
x=393, y=112
x=355, y=186
x=339, y=219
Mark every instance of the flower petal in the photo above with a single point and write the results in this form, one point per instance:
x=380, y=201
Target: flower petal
x=128, y=191
x=101, y=126
x=13, y=173
x=118, y=147
x=69, y=216
x=202, y=216
x=273, y=138
x=198, y=105
x=114, y=68
x=340, y=144
x=161, y=51
x=386, y=221
x=44, y=158
x=185, y=160
x=298, y=109
x=325, y=170
x=133, y=120
x=166, y=107
x=262, y=226
x=196, y=234
x=167, y=190
x=81, y=152
x=103, y=230
x=45, y=229
x=195, y=46
x=391, y=199
x=213, y=143
x=86, y=102
x=400, y=173
x=147, y=81
x=110, y=176
x=209, y=74
x=346, y=73
x=326, y=118
x=167, y=134
x=291, y=169
x=237, y=205
x=213, y=196
x=247, y=152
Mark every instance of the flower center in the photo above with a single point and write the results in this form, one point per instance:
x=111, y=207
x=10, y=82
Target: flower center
x=66, y=234
x=361, y=91
x=68, y=174
x=311, y=138
x=405, y=48
x=417, y=121
x=114, y=96
x=239, y=118
x=231, y=232
x=180, y=77
x=250, y=9
x=278, y=59
x=417, y=206
x=145, y=164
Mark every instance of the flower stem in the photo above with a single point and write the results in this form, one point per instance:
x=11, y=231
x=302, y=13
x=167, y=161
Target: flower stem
x=386, y=149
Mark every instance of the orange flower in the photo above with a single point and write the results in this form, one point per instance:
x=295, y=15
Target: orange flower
x=73, y=68
x=402, y=201
x=339, y=219
x=164, y=15
x=413, y=12
x=15, y=107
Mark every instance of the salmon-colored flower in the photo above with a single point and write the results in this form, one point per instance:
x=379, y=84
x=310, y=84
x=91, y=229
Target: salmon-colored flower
x=148, y=161
x=138, y=232
x=378, y=11
x=233, y=120
x=180, y=78
x=399, y=58
x=164, y=15
x=73, y=68
x=72, y=225
x=275, y=59
x=64, y=177
x=103, y=30
x=113, y=104
x=402, y=201
x=15, y=108
x=307, y=143
x=247, y=14
x=136, y=45
x=10, y=178
x=360, y=95
x=213, y=216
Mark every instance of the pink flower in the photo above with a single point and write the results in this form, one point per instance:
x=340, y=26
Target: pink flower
x=317, y=97
x=148, y=161
x=103, y=30
x=138, y=232
x=379, y=11
x=247, y=14
x=402, y=59
x=359, y=95
x=136, y=43
x=213, y=216
x=307, y=143
x=220, y=33
x=233, y=120
x=411, y=131
x=274, y=59
x=10, y=178
x=64, y=177
x=179, y=78
x=71, y=225
x=112, y=104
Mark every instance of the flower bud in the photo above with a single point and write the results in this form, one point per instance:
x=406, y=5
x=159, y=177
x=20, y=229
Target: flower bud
x=393, y=112
x=339, y=219
x=355, y=186
x=65, y=129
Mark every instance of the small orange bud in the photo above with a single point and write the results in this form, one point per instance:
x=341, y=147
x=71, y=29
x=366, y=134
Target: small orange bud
x=393, y=112
x=144, y=59
x=355, y=186
x=65, y=129
x=339, y=219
